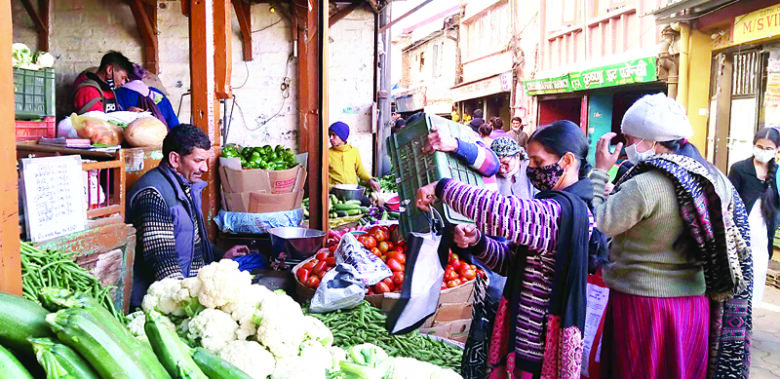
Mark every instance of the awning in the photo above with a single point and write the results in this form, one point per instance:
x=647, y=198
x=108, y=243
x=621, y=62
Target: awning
x=634, y=71
x=687, y=10
x=484, y=87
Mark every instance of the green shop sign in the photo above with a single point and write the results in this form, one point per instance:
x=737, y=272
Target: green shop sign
x=635, y=71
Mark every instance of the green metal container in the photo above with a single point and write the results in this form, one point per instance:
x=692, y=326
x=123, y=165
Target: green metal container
x=415, y=169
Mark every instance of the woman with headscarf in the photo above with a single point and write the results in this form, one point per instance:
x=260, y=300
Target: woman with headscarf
x=679, y=251
x=136, y=95
x=540, y=319
x=755, y=181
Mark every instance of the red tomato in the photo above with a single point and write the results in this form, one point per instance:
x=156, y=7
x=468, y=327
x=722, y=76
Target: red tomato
x=398, y=278
x=320, y=267
x=379, y=233
x=450, y=275
x=453, y=258
x=332, y=249
x=394, y=265
x=453, y=283
x=392, y=228
x=309, y=265
x=463, y=268
x=397, y=255
x=444, y=286
x=384, y=246
x=473, y=267
x=331, y=261
x=369, y=242
x=468, y=274
x=376, y=252
x=321, y=256
x=313, y=282
x=389, y=282
x=302, y=274
x=381, y=287
x=369, y=291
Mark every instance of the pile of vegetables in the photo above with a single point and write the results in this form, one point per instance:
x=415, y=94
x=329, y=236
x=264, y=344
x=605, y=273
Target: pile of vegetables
x=75, y=337
x=350, y=209
x=23, y=57
x=388, y=183
x=41, y=269
x=371, y=361
x=265, y=157
x=351, y=327
x=344, y=208
x=96, y=130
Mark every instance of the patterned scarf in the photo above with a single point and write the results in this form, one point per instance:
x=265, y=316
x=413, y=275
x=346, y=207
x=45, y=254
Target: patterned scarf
x=721, y=235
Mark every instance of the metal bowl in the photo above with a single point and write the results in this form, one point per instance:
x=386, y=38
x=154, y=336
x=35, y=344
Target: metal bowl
x=296, y=243
x=346, y=192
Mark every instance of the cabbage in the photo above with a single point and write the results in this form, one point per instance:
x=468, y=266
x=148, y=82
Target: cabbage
x=44, y=59
x=22, y=55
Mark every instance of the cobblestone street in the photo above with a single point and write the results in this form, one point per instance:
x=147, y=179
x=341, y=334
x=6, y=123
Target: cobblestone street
x=765, y=360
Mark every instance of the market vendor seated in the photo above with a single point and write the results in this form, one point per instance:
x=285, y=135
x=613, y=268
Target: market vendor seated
x=94, y=91
x=165, y=208
x=346, y=167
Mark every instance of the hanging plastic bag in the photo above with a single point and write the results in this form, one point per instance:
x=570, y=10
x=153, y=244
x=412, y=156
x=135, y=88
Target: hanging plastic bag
x=368, y=267
x=423, y=275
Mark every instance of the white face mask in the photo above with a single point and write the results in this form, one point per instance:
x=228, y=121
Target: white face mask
x=762, y=155
x=635, y=156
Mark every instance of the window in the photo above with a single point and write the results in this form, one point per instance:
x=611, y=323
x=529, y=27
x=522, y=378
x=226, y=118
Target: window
x=436, y=60
x=422, y=60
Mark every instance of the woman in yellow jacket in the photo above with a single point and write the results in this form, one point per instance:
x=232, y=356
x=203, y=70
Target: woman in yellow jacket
x=345, y=164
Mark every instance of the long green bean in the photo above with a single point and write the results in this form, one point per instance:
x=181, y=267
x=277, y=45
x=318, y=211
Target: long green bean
x=365, y=323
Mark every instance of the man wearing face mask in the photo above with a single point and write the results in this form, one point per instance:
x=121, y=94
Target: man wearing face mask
x=94, y=91
x=512, y=179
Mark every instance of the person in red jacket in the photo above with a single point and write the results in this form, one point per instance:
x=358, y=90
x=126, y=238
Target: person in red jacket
x=94, y=91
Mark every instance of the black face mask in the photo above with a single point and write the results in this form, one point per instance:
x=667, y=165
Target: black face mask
x=110, y=80
x=544, y=178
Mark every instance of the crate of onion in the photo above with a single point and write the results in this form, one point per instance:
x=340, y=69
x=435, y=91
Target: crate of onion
x=386, y=243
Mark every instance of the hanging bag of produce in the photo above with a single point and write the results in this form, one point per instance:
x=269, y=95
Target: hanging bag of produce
x=425, y=262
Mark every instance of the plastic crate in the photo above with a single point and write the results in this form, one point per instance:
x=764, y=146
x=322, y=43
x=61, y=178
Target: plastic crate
x=415, y=169
x=33, y=93
x=33, y=130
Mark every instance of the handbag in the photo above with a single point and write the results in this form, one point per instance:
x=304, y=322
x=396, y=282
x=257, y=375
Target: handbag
x=425, y=263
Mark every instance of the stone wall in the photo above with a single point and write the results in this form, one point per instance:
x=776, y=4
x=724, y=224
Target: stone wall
x=83, y=30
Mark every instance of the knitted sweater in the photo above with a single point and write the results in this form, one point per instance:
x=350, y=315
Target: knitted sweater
x=345, y=165
x=643, y=219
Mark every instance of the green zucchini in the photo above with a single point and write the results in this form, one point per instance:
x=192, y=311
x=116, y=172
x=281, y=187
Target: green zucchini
x=60, y=361
x=394, y=215
x=342, y=214
x=19, y=319
x=10, y=367
x=353, y=211
x=215, y=367
x=364, y=210
x=171, y=351
x=353, y=202
x=344, y=207
x=108, y=354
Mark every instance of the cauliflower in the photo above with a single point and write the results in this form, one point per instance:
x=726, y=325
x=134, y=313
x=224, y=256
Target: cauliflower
x=136, y=324
x=296, y=368
x=280, y=325
x=410, y=368
x=317, y=331
x=337, y=354
x=222, y=283
x=192, y=285
x=250, y=357
x=318, y=356
x=213, y=329
x=166, y=296
x=244, y=312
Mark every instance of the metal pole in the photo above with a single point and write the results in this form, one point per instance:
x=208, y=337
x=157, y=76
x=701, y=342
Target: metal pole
x=383, y=95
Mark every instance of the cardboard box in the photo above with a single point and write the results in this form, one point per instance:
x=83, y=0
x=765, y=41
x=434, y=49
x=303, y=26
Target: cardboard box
x=457, y=330
x=450, y=312
x=458, y=295
x=263, y=181
x=258, y=202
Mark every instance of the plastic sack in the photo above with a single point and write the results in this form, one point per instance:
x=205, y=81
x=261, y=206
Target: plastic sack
x=368, y=267
x=256, y=223
x=96, y=130
x=251, y=262
x=424, y=271
x=341, y=288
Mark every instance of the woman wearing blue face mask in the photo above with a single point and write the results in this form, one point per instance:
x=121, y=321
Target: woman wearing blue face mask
x=679, y=259
x=754, y=179
x=544, y=254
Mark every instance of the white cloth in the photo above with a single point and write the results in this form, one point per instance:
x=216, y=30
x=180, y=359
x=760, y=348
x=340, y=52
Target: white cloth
x=657, y=118
x=758, y=244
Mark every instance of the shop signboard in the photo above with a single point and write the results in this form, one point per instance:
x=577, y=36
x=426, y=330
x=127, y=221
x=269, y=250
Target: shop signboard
x=763, y=23
x=558, y=84
x=634, y=71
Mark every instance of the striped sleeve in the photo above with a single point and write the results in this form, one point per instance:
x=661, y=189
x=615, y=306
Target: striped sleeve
x=155, y=234
x=477, y=156
x=494, y=254
x=533, y=223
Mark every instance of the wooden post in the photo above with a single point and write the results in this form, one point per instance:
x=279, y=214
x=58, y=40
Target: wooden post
x=205, y=107
x=145, y=15
x=10, y=266
x=244, y=16
x=309, y=17
x=223, y=60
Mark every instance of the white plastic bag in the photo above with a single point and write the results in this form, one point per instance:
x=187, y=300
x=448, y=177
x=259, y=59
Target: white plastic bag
x=368, y=267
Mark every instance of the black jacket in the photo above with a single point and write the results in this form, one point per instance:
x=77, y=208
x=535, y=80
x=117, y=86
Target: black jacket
x=743, y=175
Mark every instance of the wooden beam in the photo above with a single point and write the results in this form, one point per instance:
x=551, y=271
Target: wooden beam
x=205, y=107
x=44, y=11
x=341, y=13
x=244, y=16
x=10, y=264
x=223, y=58
x=309, y=16
x=146, y=18
x=403, y=16
x=185, y=8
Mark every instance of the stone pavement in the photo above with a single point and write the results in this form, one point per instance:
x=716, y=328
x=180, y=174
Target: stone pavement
x=765, y=356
